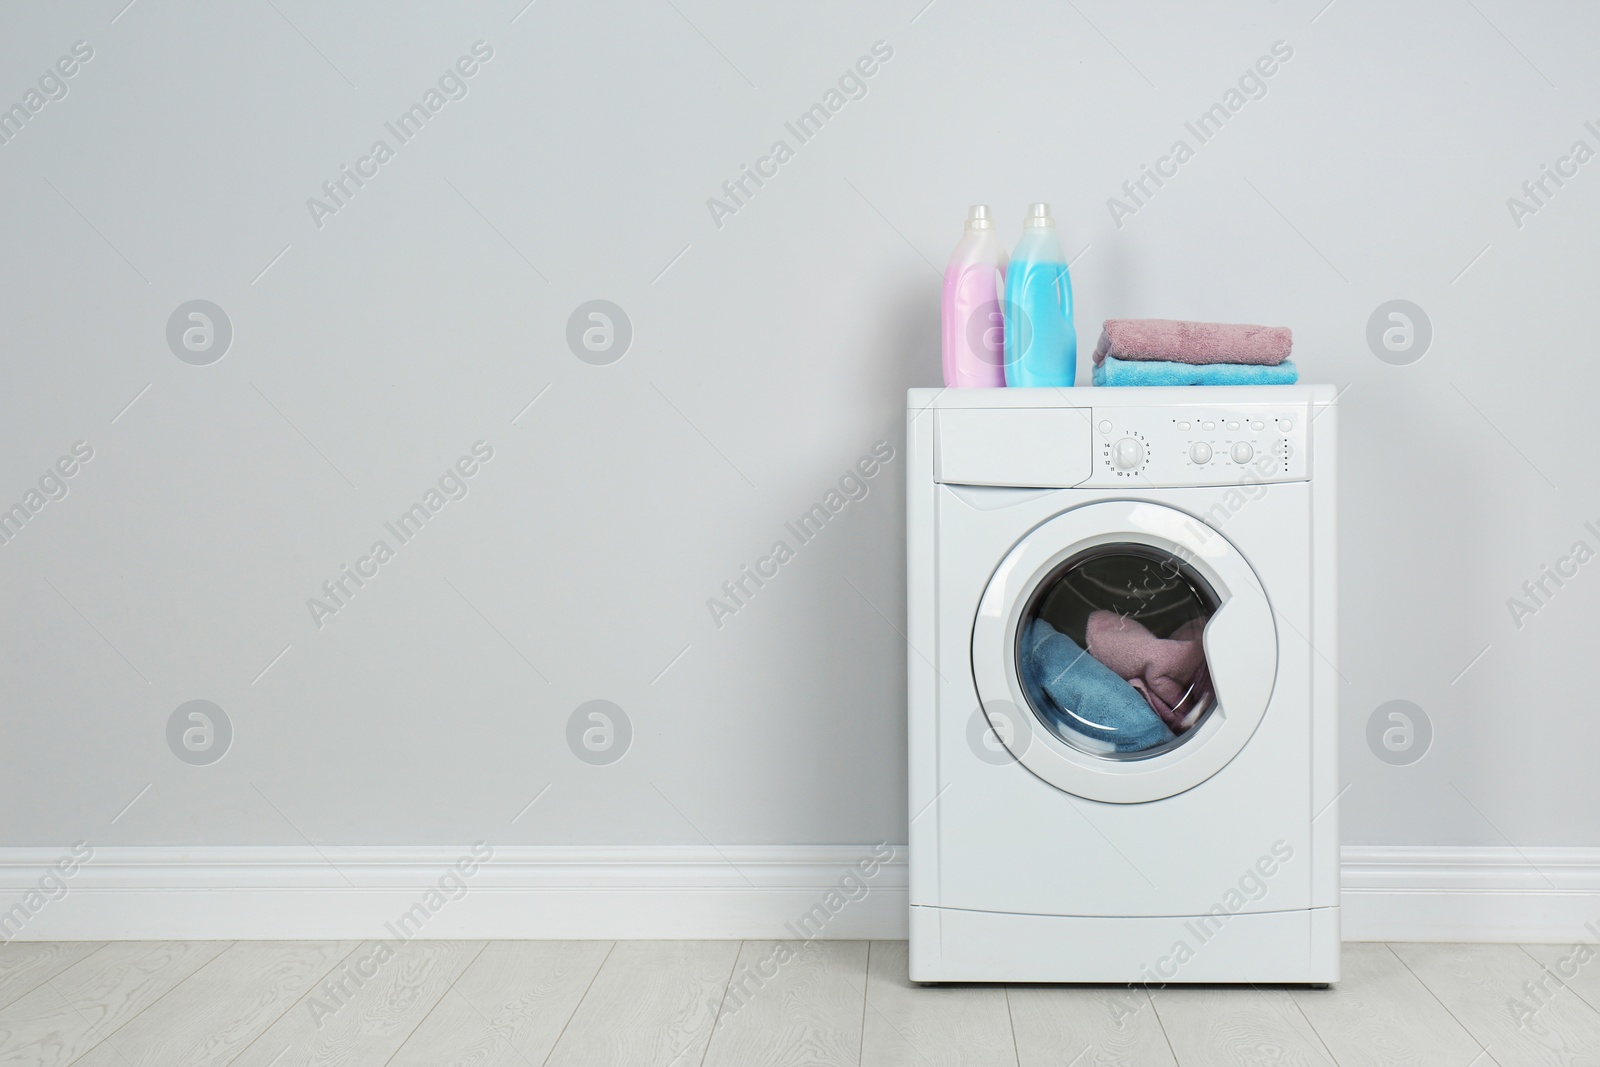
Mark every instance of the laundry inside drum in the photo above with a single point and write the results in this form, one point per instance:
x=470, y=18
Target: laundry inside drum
x=1110, y=650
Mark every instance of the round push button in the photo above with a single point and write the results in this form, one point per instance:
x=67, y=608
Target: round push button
x=1285, y=425
x=1200, y=452
x=1105, y=426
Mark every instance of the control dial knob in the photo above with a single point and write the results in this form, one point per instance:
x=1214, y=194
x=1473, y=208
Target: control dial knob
x=1200, y=452
x=1242, y=452
x=1127, y=454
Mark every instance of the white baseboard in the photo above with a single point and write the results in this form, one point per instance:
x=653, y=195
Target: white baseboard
x=1403, y=893
x=270, y=893
x=1414, y=893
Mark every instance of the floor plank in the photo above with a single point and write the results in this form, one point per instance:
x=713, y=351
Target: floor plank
x=1085, y=1026
x=24, y=965
x=509, y=1007
x=727, y=1004
x=365, y=1009
x=931, y=1026
x=1577, y=966
x=1483, y=985
x=792, y=1005
x=223, y=1006
x=1238, y=1027
x=1380, y=1013
x=73, y=1012
x=652, y=1005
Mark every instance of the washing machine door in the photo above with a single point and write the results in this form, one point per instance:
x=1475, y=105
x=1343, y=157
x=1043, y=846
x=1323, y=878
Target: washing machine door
x=1124, y=651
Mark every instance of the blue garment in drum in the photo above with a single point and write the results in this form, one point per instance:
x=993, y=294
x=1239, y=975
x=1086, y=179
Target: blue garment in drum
x=1077, y=692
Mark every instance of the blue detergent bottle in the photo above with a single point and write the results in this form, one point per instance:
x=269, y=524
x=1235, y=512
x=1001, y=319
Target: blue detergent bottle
x=1041, y=344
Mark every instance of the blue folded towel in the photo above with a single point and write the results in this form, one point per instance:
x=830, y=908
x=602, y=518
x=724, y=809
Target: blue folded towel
x=1083, y=695
x=1160, y=372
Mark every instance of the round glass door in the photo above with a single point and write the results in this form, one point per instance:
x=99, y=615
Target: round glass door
x=1124, y=651
x=1111, y=654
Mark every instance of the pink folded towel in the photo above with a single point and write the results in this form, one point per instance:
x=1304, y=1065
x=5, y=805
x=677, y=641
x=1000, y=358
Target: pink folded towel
x=1170, y=673
x=1193, y=342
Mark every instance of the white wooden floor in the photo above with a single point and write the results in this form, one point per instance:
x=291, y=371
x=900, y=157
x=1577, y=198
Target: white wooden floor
x=687, y=1003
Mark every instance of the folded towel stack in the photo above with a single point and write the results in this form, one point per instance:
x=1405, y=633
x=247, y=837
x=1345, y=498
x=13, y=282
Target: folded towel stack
x=1171, y=352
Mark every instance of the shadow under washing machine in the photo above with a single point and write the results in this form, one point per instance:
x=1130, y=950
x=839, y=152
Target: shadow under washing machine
x=1122, y=683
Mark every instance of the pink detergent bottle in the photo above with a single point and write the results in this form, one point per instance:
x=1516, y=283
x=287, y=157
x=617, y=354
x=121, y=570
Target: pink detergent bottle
x=974, y=282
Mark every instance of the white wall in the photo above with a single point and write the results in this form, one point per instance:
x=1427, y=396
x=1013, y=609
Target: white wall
x=769, y=354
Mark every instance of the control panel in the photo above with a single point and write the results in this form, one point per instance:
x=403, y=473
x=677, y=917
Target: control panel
x=1200, y=445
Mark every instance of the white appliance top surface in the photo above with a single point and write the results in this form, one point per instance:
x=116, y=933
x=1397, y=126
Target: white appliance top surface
x=1107, y=396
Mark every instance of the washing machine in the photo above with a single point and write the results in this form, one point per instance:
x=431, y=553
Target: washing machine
x=1123, y=685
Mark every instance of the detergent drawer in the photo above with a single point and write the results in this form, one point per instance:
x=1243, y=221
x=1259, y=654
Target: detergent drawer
x=1044, y=448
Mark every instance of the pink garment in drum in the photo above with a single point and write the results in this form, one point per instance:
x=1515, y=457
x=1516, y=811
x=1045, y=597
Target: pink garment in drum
x=1169, y=672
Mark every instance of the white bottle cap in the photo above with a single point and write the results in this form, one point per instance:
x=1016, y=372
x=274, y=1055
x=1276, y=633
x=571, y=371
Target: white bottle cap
x=1038, y=217
x=978, y=218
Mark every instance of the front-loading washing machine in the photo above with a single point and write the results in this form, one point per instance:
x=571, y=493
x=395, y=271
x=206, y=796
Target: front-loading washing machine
x=1123, y=685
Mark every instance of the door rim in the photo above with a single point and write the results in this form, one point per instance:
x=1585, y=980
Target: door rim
x=1242, y=697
